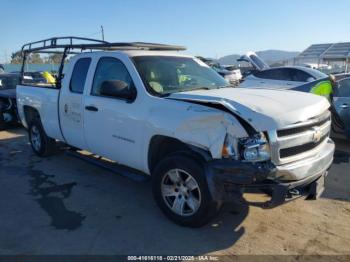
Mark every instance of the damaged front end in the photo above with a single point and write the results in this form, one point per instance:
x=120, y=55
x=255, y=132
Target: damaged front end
x=254, y=148
x=236, y=181
x=245, y=167
x=249, y=171
x=286, y=161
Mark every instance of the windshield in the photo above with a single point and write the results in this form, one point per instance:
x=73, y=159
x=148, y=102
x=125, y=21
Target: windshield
x=8, y=82
x=164, y=75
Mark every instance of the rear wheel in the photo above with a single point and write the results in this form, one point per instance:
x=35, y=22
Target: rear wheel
x=181, y=191
x=42, y=145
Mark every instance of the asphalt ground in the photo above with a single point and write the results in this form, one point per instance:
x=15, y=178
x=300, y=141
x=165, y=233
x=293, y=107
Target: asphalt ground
x=64, y=205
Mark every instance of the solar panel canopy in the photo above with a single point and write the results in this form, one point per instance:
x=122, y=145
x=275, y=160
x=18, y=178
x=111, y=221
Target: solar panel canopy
x=335, y=51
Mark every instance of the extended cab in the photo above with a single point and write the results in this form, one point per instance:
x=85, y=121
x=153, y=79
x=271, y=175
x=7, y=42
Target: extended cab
x=169, y=115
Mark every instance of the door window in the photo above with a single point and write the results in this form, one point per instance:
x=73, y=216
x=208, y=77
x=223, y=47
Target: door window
x=110, y=69
x=266, y=74
x=274, y=74
x=300, y=76
x=79, y=74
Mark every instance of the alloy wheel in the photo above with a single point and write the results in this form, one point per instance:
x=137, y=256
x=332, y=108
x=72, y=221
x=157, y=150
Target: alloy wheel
x=181, y=192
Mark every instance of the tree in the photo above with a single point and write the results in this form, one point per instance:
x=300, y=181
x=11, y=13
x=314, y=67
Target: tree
x=16, y=58
x=54, y=59
x=35, y=59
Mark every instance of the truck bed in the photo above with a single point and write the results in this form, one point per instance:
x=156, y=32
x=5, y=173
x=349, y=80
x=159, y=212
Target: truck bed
x=45, y=101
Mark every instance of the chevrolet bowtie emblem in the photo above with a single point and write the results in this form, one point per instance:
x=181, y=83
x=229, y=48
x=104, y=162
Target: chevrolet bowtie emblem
x=317, y=134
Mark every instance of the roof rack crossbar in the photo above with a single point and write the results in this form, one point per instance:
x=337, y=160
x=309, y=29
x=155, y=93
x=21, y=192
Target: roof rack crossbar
x=53, y=43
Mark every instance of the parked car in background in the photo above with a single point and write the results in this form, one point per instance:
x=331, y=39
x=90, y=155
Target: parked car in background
x=341, y=105
x=230, y=72
x=202, y=141
x=281, y=77
x=335, y=88
x=338, y=77
x=8, y=108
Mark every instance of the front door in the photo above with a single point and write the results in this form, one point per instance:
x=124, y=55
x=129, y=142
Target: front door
x=112, y=125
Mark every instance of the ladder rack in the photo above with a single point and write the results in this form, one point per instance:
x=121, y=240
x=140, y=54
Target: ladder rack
x=71, y=42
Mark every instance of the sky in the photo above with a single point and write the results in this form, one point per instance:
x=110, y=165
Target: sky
x=207, y=28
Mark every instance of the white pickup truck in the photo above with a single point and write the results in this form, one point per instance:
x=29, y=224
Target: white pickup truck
x=170, y=116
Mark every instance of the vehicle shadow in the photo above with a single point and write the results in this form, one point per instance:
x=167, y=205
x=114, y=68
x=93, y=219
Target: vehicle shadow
x=65, y=205
x=341, y=157
x=338, y=180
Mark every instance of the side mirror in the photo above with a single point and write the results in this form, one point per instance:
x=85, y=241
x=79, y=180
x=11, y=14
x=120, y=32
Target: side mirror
x=117, y=88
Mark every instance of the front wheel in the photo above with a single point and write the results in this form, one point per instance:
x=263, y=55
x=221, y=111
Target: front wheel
x=42, y=145
x=181, y=191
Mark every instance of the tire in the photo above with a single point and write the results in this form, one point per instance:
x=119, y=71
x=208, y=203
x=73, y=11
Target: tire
x=189, y=204
x=42, y=145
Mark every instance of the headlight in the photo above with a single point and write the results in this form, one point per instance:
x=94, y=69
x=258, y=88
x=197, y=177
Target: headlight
x=252, y=149
x=255, y=149
x=251, y=154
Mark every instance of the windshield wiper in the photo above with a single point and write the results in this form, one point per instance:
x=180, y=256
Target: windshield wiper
x=186, y=90
x=196, y=88
x=227, y=86
x=164, y=95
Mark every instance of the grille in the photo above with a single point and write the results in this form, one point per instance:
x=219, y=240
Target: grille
x=300, y=140
x=295, y=150
x=296, y=130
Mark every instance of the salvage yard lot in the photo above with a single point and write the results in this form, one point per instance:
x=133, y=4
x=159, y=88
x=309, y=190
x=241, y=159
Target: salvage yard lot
x=63, y=205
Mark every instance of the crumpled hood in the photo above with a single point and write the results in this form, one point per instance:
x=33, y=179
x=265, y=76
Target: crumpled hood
x=264, y=109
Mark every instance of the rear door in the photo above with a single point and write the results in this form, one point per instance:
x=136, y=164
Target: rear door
x=341, y=103
x=71, y=102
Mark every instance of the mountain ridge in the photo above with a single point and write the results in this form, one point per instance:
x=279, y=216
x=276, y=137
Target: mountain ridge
x=270, y=56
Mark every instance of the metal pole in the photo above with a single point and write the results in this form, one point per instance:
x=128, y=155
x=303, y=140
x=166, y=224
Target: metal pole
x=24, y=59
x=103, y=33
x=60, y=70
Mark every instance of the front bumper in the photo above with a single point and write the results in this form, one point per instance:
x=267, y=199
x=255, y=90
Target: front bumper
x=228, y=180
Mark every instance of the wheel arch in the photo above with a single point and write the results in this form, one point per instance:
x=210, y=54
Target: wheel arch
x=161, y=146
x=30, y=114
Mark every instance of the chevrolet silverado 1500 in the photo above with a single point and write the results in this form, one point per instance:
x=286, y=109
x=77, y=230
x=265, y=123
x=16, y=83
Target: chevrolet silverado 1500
x=170, y=116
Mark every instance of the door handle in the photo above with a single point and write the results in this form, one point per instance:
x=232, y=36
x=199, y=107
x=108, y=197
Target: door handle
x=91, y=108
x=344, y=106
